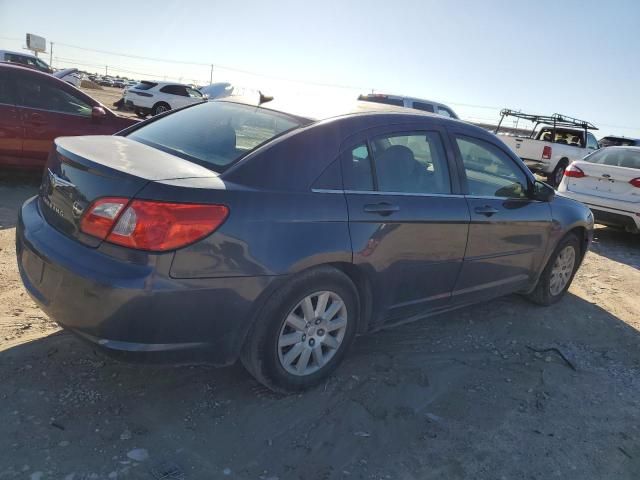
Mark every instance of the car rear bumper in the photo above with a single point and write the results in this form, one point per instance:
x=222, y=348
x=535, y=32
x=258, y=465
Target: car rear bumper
x=607, y=214
x=134, y=310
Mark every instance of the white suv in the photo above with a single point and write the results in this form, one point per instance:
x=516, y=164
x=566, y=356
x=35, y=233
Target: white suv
x=410, y=102
x=157, y=97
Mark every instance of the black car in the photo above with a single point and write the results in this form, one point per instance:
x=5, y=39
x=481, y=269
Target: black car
x=614, y=141
x=226, y=230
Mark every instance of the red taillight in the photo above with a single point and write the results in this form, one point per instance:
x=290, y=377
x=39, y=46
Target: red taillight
x=155, y=226
x=546, y=152
x=573, y=172
x=635, y=182
x=101, y=216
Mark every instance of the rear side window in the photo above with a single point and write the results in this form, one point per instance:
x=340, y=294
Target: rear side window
x=144, y=85
x=214, y=134
x=175, y=90
x=411, y=163
x=357, y=173
x=617, y=157
x=425, y=107
x=38, y=93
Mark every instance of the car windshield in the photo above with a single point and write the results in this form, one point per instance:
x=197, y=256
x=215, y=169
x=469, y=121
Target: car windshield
x=215, y=134
x=617, y=157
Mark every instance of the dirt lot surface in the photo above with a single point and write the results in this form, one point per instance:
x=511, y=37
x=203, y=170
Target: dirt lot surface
x=503, y=390
x=107, y=96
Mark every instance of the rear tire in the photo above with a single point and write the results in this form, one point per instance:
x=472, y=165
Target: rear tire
x=558, y=274
x=159, y=108
x=291, y=346
x=555, y=177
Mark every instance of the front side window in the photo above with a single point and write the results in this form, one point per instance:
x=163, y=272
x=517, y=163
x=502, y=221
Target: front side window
x=592, y=143
x=411, y=163
x=214, y=134
x=490, y=172
x=193, y=93
x=445, y=112
x=6, y=92
x=38, y=93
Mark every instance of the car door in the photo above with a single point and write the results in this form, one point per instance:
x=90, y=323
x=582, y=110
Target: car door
x=509, y=231
x=49, y=108
x=11, y=128
x=408, y=225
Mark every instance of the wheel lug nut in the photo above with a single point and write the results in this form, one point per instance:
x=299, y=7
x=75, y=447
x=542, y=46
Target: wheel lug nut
x=304, y=337
x=321, y=332
x=318, y=321
x=312, y=342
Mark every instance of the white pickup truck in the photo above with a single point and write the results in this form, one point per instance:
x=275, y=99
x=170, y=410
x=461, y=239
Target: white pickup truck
x=553, y=144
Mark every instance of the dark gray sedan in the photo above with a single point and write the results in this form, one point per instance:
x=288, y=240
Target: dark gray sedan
x=226, y=230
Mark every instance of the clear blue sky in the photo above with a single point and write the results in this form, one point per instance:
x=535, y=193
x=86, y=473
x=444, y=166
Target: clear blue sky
x=574, y=57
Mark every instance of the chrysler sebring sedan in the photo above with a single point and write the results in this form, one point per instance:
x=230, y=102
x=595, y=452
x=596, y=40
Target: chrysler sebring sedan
x=228, y=231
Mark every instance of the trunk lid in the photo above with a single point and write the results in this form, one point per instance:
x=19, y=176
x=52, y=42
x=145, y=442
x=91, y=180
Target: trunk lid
x=606, y=181
x=82, y=169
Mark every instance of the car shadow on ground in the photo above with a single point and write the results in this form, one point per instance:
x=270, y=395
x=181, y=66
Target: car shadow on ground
x=504, y=388
x=617, y=245
x=15, y=188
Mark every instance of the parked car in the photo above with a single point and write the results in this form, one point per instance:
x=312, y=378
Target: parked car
x=608, y=182
x=105, y=82
x=615, y=141
x=410, y=102
x=36, y=107
x=217, y=90
x=551, y=148
x=25, y=59
x=228, y=230
x=119, y=83
x=69, y=75
x=158, y=97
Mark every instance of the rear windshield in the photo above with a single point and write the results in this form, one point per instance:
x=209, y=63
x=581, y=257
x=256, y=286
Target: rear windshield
x=617, y=157
x=617, y=142
x=214, y=134
x=566, y=137
x=145, y=85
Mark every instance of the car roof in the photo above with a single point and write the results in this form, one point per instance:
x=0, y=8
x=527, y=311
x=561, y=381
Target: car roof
x=621, y=137
x=403, y=97
x=20, y=53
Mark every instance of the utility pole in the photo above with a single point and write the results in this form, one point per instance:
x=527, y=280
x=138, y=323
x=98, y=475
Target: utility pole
x=211, y=75
x=51, y=54
x=106, y=70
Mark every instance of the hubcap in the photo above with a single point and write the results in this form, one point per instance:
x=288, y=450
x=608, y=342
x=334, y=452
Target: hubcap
x=562, y=270
x=559, y=175
x=312, y=333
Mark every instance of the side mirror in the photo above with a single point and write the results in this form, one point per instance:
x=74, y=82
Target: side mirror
x=542, y=192
x=98, y=113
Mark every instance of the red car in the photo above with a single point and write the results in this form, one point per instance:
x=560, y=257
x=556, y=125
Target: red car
x=35, y=108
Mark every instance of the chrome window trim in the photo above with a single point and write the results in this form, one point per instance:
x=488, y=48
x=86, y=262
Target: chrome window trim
x=55, y=111
x=376, y=192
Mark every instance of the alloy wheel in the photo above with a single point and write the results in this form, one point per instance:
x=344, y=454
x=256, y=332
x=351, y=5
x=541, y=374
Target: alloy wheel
x=312, y=333
x=562, y=270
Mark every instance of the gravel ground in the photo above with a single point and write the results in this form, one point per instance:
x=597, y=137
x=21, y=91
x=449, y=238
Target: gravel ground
x=503, y=390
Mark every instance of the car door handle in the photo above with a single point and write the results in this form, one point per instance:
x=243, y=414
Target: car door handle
x=37, y=119
x=382, y=208
x=487, y=210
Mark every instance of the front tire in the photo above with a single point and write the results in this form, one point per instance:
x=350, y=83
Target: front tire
x=303, y=332
x=558, y=274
